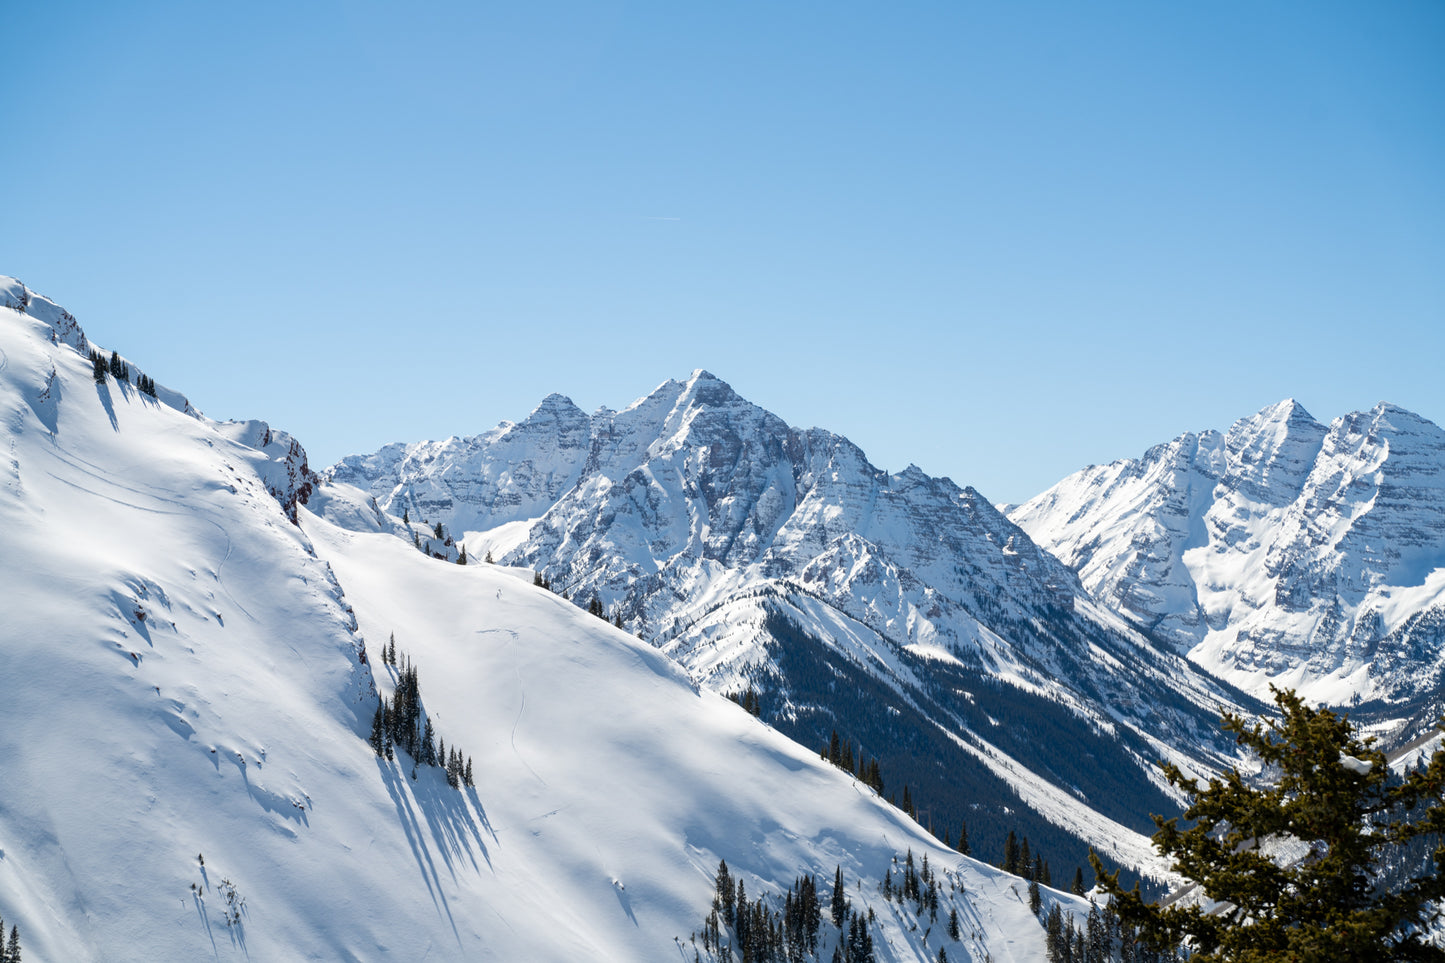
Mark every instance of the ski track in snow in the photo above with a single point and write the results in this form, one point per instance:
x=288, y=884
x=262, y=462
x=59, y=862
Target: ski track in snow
x=175, y=500
x=518, y=721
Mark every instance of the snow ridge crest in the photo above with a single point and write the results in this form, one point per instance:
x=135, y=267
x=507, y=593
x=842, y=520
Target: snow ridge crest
x=1309, y=561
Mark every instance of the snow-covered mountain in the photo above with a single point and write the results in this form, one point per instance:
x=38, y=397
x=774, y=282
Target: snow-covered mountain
x=899, y=610
x=193, y=660
x=1282, y=552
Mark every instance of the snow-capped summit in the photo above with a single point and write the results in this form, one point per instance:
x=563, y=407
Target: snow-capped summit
x=759, y=554
x=1295, y=554
x=1268, y=455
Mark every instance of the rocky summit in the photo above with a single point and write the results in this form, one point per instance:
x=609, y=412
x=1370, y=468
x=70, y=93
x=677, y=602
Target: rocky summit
x=1284, y=552
x=899, y=610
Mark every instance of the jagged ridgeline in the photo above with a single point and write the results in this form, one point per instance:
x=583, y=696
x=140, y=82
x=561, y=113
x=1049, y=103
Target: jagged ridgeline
x=197, y=620
x=901, y=611
x=1283, y=551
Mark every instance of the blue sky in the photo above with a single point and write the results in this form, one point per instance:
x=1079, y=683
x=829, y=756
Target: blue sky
x=1000, y=241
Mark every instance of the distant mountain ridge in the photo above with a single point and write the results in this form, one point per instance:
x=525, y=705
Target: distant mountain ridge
x=758, y=554
x=1283, y=552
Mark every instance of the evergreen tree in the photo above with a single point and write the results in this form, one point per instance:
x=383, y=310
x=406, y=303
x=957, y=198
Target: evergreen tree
x=378, y=740
x=724, y=881
x=1036, y=898
x=1077, y=887
x=467, y=774
x=97, y=364
x=1054, y=935
x=1096, y=939
x=429, y=751
x=875, y=777
x=438, y=530
x=405, y=517
x=1011, y=853
x=953, y=931
x=812, y=911
x=840, y=899
x=12, y=949
x=1333, y=793
x=963, y=838
x=462, y=558
x=488, y=559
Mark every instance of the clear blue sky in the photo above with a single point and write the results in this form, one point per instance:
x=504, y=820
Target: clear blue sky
x=1001, y=241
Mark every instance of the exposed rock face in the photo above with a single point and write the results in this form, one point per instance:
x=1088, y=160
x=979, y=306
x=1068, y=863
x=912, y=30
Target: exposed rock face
x=1291, y=554
x=715, y=530
x=513, y=472
x=694, y=479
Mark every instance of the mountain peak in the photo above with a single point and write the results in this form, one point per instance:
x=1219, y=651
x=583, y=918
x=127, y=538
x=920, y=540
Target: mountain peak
x=1270, y=453
x=1287, y=410
x=555, y=407
x=556, y=401
x=704, y=389
x=1385, y=409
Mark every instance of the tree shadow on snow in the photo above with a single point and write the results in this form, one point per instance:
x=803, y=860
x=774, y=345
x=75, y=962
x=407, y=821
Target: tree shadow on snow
x=103, y=390
x=201, y=912
x=437, y=818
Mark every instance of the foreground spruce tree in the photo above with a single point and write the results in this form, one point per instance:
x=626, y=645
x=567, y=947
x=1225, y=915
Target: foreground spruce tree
x=1331, y=797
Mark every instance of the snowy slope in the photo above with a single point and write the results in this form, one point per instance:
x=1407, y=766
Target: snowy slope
x=1283, y=553
x=624, y=784
x=700, y=520
x=187, y=678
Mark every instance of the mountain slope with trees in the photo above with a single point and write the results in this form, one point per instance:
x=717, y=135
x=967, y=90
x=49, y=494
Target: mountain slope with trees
x=706, y=525
x=196, y=661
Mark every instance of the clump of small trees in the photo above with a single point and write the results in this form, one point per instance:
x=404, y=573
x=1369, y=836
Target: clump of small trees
x=402, y=722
